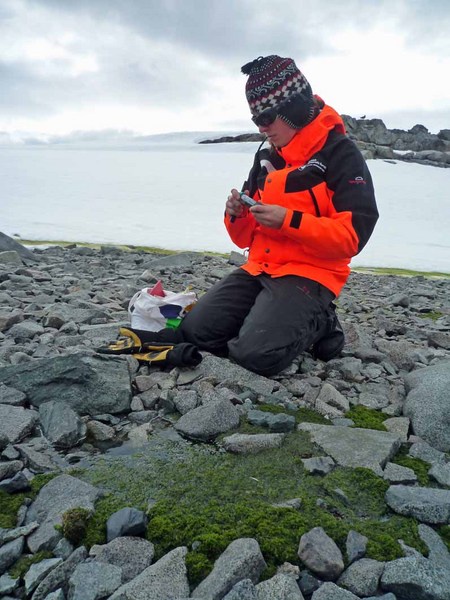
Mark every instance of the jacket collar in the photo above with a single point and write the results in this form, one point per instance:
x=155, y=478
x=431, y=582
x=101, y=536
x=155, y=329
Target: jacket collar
x=312, y=138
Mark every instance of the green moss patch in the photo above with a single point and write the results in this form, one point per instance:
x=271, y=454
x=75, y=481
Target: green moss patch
x=444, y=532
x=10, y=503
x=420, y=467
x=205, y=499
x=302, y=415
x=367, y=418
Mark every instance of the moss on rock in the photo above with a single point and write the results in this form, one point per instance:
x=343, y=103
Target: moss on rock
x=367, y=418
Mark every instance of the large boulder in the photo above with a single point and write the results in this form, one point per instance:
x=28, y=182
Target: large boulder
x=428, y=404
x=89, y=383
x=9, y=244
x=414, y=578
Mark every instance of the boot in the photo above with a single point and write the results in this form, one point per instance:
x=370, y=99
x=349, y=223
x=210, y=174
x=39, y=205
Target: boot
x=332, y=342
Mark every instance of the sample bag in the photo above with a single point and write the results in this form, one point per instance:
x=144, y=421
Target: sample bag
x=153, y=309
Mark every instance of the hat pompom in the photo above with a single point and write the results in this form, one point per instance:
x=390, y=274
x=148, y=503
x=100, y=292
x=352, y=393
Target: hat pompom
x=248, y=67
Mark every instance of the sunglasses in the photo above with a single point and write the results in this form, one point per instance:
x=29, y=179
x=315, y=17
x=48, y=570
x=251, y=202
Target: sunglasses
x=266, y=117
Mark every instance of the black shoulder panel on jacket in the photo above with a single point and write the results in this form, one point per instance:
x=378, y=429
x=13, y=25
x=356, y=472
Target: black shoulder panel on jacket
x=349, y=178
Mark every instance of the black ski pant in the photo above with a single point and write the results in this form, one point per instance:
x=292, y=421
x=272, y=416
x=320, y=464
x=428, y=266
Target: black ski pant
x=261, y=322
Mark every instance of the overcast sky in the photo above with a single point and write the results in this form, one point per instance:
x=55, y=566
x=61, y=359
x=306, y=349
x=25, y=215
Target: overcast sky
x=153, y=66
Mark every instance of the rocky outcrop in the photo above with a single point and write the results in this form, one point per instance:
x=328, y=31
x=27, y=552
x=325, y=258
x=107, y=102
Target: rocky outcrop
x=375, y=140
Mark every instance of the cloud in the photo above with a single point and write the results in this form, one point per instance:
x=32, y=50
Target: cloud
x=62, y=58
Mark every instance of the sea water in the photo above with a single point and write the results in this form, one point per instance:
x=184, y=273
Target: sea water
x=173, y=196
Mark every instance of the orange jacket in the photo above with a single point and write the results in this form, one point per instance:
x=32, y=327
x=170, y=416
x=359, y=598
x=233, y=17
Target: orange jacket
x=323, y=181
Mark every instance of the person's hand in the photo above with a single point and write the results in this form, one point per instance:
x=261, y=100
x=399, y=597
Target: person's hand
x=269, y=215
x=234, y=206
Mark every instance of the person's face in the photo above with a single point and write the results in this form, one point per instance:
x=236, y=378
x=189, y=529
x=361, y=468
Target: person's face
x=278, y=133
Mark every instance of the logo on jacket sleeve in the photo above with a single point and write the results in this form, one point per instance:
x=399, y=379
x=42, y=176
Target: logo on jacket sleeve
x=357, y=180
x=313, y=162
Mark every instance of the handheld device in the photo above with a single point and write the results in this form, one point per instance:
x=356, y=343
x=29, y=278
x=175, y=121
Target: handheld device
x=247, y=200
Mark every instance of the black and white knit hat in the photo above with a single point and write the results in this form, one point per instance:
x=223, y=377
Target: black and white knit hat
x=276, y=82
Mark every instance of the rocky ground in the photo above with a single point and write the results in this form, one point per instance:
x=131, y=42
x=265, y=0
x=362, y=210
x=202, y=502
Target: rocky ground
x=328, y=481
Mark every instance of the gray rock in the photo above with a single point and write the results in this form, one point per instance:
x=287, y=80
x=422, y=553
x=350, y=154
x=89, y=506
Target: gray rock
x=399, y=426
x=25, y=330
x=308, y=583
x=427, y=404
x=185, y=401
x=355, y=447
x=126, y=521
x=428, y=505
x=426, y=453
x=11, y=396
x=38, y=572
x=59, y=577
x=439, y=339
x=100, y=432
x=206, y=422
x=10, y=552
x=257, y=417
x=241, y=443
x=280, y=423
x=241, y=560
x=60, y=424
x=11, y=258
x=294, y=503
x=440, y=472
x=318, y=465
x=58, y=315
x=243, y=590
x=38, y=462
x=399, y=474
x=279, y=587
x=437, y=550
x=8, y=318
x=401, y=354
x=356, y=545
x=57, y=595
x=165, y=580
x=8, y=585
x=374, y=401
x=54, y=499
x=223, y=369
x=8, y=243
x=18, y=483
x=388, y=596
x=416, y=579
x=16, y=422
x=93, y=581
x=330, y=402
x=63, y=549
x=89, y=384
x=131, y=554
x=362, y=577
x=10, y=468
x=320, y=554
x=330, y=591
x=7, y=535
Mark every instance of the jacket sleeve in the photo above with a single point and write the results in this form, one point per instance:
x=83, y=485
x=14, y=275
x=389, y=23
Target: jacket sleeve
x=353, y=215
x=241, y=229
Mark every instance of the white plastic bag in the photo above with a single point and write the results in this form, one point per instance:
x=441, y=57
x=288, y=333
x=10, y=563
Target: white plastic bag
x=153, y=313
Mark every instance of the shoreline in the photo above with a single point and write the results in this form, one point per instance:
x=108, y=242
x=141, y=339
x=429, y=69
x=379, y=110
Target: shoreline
x=398, y=271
